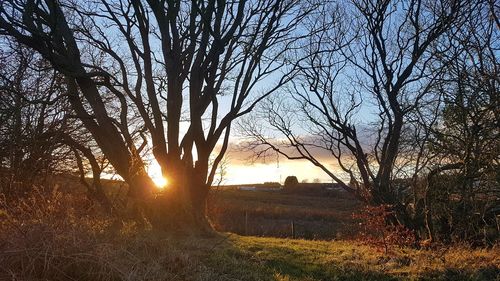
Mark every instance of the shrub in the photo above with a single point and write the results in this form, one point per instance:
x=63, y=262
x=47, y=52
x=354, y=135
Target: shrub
x=272, y=184
x=291, y=181
x=379, y=229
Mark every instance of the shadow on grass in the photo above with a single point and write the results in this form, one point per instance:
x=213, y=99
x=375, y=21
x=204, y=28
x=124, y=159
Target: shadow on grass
x=74, y=254
x=249, y=259
x=485, y=273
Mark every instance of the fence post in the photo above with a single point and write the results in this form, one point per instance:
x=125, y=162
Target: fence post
x=293, y=229
x=246, y=222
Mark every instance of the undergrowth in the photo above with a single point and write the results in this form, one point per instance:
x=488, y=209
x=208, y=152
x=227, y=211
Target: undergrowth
x=65, y=237
x=58, y=236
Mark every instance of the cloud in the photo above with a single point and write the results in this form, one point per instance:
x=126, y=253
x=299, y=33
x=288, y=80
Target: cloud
x=244, y=167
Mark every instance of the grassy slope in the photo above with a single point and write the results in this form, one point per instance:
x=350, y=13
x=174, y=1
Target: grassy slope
x=253, y=258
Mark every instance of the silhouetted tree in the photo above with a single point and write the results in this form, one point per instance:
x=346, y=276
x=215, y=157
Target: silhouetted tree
x=169, y=63
x=38, y=131
x=464, y=184
x=32, y=118
x=382, y=53
x=84, y=154
x=291, y=181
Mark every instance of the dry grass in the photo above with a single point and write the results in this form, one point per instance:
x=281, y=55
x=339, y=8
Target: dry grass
x=65, y=237
x=347, y=260
x=271, y=214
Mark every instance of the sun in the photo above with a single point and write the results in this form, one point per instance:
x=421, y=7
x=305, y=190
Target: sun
x=154, y=171
x=160, y=182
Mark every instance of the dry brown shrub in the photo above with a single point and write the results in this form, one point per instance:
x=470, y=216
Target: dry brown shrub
x=378, y=230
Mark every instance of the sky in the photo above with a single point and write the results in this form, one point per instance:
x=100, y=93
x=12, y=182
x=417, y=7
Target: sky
x=241, y=171
x=239, y=167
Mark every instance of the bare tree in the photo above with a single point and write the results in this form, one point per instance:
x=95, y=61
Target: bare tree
x=85, y=156
x=383, y=59
x=466, y=136
x=168, y=63
x=38, y=131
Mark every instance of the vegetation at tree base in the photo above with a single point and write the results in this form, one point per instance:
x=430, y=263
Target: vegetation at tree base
x=377, y=232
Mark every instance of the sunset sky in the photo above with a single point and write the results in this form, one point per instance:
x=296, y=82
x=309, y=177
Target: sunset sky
x=240, y=169
x=274, y=172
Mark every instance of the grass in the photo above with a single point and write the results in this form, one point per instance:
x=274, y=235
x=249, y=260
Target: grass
x=63, y=237
x=315, y=216
x=146, y=255
x=286, y=259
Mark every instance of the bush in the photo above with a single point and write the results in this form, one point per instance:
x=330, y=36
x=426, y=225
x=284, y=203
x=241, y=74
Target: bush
x=379, y=229
x=291, y=181
x=272, y=184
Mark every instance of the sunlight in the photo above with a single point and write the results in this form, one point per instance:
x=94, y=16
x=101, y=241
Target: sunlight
x=242, y=173
x=154, y=171
x=160, y=182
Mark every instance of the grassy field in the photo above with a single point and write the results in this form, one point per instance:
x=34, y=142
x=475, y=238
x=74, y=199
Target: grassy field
x=264, y=213
x=252, y=258
x=88, y=249
x=62, y=236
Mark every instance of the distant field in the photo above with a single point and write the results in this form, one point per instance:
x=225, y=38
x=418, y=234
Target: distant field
x=315, y=213
x=325, y=215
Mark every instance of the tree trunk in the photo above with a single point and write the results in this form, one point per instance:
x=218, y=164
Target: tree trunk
x=199, y=194
x=181, y=206
x=140, y=196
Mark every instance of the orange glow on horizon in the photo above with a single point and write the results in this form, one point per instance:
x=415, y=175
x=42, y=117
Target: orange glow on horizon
x=242, y=173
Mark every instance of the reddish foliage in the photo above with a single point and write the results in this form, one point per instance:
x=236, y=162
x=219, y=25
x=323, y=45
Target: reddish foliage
x=380, y=229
